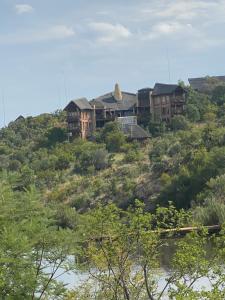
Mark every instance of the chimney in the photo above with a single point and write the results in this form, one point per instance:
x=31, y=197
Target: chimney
x=117, y=93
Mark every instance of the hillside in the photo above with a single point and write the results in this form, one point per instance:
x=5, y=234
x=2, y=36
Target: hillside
x=183, y=163
x=69, y=207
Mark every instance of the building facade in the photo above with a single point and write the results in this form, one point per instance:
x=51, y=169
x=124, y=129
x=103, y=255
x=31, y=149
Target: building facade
x=166, y=101
x=160, y=104
x=80, y=118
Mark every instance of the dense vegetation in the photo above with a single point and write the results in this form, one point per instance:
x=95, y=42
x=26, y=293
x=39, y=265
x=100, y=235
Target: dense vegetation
x=62, y=199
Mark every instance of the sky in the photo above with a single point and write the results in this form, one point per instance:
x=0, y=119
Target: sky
x=53, y=51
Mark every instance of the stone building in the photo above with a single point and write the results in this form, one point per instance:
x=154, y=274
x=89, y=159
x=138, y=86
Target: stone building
x=166, y=101
x=114, y=104
x=160, y=104
x=80, y=118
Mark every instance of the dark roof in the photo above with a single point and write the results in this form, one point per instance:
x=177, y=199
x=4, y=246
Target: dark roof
x=147, y=89
x=20, y=118
x=164, y=89
x=82, y=103
x=134, y=131
x=204, y=84
x=108, y=101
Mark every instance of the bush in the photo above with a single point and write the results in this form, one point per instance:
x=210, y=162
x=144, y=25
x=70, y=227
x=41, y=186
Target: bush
x=56, y=135
x=115, y=141
x=218, y=95
x=192, y=113
x=91, y=157
x=132, y=156
x=14, y=165
x=111, y=127
x=100, y=159
x=62, y=163
x=179, y=123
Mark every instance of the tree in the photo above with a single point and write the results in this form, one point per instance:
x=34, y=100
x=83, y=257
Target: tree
x=115, y=141
x=192, y=113
x=179, y=123
x=33, y=251
x=56, y=135
x=218, y=95
x=121, y=252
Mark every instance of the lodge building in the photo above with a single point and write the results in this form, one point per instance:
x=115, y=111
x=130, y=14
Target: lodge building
x=160, y=104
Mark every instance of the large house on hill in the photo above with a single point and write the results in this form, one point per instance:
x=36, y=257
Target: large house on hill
x=160, y=103
x=166, y=101
x=80, y=118
x=113, y=105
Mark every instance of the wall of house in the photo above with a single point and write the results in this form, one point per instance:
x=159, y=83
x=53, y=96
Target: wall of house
x=164, y=107
x=161, y=108
x=178, y=104
x=143, y=106
x=86, y=123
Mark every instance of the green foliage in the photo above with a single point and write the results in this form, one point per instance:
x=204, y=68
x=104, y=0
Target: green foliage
x=115, y=141
x=91, y=157
x=56, y=135
x=218, y=95
x=121, y=253
x=199, y=101
x=192, y=113
x=157, y=128
x=113, y=137
x=33, y=251
x=179, y=123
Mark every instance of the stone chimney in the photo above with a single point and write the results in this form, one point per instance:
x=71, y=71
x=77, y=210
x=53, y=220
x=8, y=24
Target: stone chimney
x=117, y=93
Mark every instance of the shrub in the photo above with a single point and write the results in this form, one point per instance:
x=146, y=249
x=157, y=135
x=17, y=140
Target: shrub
x=132, y=156
x=56, y=135
x=100, y=159
x=62, y=163
x=218, y=95
x=115, y=141
x=192, y=113
x=179, y=123
x=14, y=165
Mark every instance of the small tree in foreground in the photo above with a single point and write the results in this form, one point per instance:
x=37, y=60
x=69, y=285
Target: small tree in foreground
x=121, y=252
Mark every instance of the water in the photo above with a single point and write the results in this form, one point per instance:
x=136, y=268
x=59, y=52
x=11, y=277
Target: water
x=77, y=278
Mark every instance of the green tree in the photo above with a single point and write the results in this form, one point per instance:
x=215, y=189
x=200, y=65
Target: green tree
x=218, y=95
x=179, y=123
x=33, y=251
x=192, y=113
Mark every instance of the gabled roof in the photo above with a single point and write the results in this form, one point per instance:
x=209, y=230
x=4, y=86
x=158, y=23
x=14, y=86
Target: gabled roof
x=20, y=118
x=108, y=101
x=134, y=131
x=165, y=89
x=81, y=103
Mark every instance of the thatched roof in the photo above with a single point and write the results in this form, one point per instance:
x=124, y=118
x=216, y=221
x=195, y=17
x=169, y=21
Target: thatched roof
x=108, y=101
x=165, y=89
x=81, y=103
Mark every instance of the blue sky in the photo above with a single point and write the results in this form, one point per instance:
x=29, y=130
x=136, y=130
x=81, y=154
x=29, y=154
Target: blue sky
x=52, y=51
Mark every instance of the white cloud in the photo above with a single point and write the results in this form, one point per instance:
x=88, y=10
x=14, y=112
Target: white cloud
x=108, y=33
x=186, y=9
x=181, y=9
x=168, y=28
x=58, y=32
x=52, y=33
x=23, y=8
